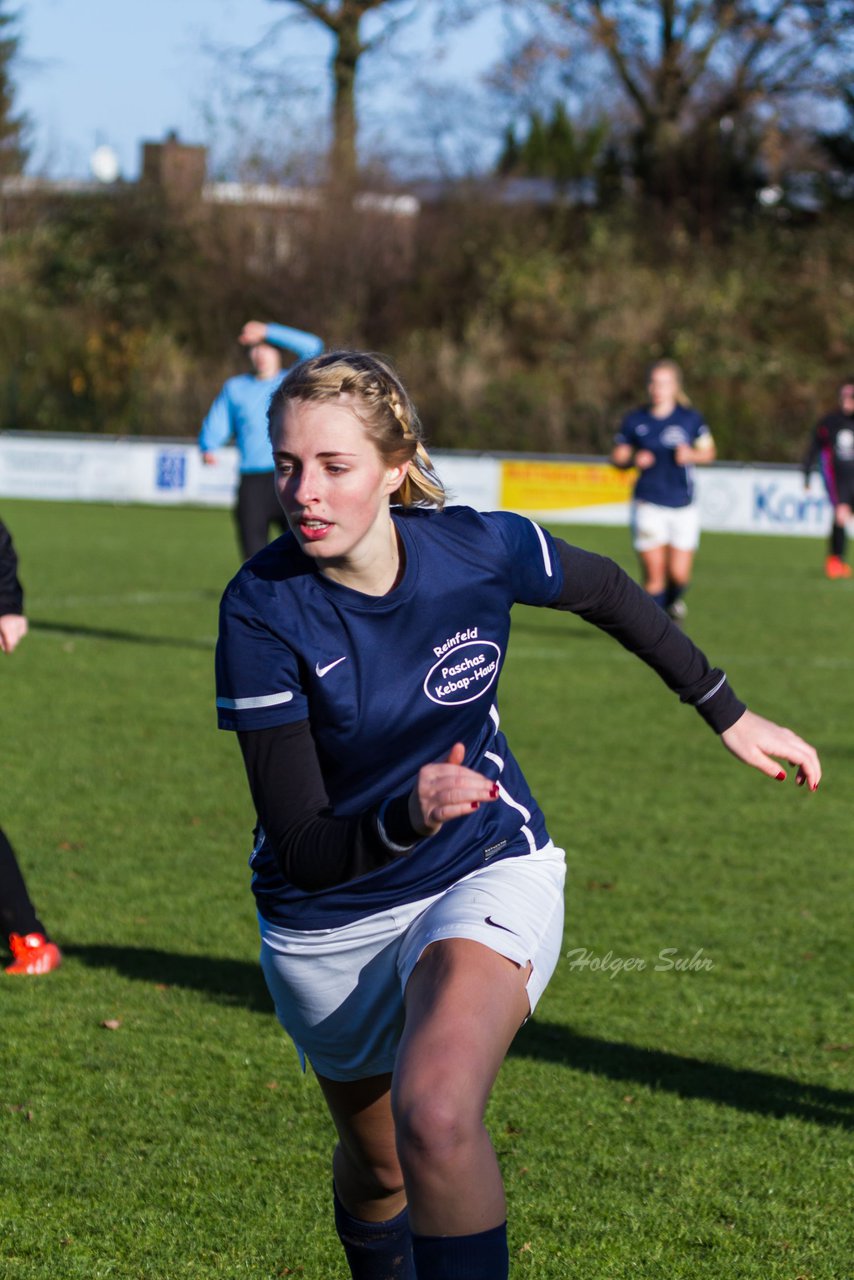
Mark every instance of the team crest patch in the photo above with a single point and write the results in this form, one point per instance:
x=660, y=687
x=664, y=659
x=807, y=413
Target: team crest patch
x=672, y=437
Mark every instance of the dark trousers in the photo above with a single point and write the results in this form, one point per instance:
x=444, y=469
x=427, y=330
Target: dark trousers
x=17, y=913
x=257, y=508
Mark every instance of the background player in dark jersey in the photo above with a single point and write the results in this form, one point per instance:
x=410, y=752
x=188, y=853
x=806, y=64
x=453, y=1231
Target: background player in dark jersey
x=20, y=927
x=832, y=446
x=240, y=413
x=665, y=439
x=410, y=900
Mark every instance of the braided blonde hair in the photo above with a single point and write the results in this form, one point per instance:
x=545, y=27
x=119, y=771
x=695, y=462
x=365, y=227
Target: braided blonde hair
x=382, y=405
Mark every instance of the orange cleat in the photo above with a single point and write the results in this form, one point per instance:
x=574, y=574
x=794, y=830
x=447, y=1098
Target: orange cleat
x=836, y=568
x=33, y=954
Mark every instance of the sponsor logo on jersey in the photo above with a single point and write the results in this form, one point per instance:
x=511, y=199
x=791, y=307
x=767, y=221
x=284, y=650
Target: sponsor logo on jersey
x=452, y=641
x=672, y=437
x=466, y=668
x=845, y=444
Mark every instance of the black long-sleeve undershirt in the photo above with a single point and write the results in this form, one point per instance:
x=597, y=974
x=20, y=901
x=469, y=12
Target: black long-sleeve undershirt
x=316, y=850
x=11, y=594
x=313, y=848
x=598, y=590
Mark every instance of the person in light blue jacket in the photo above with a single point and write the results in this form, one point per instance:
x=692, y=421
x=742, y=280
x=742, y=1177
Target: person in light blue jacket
x=239, y=413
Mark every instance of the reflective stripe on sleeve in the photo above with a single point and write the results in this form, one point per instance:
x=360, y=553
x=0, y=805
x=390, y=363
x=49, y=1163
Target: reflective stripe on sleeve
x=247, y=704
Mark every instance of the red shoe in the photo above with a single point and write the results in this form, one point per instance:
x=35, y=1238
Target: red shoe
x=33, y=954
x=836, y=568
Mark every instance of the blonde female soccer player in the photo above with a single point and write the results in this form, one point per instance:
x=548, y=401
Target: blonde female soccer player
x=410, y=900
x=665, y=439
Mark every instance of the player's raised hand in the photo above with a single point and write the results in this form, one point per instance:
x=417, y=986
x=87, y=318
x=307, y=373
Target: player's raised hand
x=757, y=742
x=447, y=789
x=254, y=331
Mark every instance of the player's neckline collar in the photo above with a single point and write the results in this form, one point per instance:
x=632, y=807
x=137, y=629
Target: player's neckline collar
x=353, y=599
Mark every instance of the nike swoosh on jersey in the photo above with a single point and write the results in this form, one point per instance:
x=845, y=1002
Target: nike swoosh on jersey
x=321, y=671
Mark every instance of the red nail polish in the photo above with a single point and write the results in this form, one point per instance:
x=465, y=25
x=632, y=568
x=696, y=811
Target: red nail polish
x=814, y=787
x=493, y=791
x=475, y=804
x=781, y=777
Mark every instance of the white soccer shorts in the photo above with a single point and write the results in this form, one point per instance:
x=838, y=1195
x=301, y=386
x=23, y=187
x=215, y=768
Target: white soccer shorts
x=339, y=992
x=654, y=526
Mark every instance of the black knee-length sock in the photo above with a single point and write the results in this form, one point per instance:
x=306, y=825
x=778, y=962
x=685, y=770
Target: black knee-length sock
x=375, y=1250
x=838, y=540
x=17, y=913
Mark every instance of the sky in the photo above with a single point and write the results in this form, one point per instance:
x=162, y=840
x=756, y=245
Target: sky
x=116, y=72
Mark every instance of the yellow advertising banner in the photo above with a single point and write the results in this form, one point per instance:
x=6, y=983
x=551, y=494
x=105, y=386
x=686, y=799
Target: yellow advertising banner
x=557, y=486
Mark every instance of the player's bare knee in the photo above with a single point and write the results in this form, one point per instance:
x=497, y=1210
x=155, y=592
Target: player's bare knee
x=372, y=1176
x=382, y=1182
x=432, y=1127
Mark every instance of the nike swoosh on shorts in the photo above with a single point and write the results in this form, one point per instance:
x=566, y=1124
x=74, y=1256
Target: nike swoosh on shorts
x=489, y=920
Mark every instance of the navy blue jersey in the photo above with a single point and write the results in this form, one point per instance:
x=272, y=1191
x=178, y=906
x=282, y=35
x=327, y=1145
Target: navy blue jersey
x=388, y=684
x=666, y=484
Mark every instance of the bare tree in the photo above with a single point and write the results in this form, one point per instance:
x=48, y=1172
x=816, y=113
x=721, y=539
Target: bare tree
x=344, y=19
x=683, y=67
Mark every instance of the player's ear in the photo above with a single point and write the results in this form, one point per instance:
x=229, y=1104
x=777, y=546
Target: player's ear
x=395, y=476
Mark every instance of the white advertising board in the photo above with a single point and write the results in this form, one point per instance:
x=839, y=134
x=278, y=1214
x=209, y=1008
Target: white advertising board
x=110, y=470
x=735, y=499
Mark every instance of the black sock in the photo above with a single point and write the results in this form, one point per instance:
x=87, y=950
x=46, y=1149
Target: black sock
x=375, y=1250
x=482, y=1256
x=675, y=591
x=838, y=541
x=660, y=598
x=17, y=913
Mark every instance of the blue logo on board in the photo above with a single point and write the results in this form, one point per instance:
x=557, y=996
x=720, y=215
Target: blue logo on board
x=171, y=469
x=785, y=507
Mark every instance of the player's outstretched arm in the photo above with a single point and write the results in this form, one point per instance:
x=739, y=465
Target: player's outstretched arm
x=446, y=790
x=597, y=589
x=757, y=742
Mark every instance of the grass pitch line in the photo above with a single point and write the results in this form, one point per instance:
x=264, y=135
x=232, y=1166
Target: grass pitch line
x=142, y=598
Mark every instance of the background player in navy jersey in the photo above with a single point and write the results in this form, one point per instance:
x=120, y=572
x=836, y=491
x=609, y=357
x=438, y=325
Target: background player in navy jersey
x=410, y=900
x=20, y=928
x=240, y=413
x=665, y=440
x=832, y=446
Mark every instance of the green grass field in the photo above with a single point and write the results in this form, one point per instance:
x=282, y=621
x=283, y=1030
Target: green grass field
x=662, y=1123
